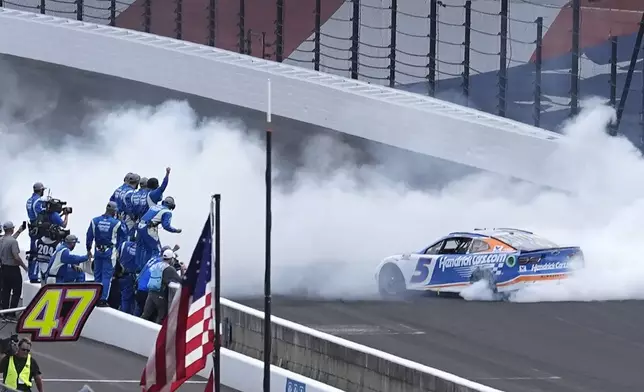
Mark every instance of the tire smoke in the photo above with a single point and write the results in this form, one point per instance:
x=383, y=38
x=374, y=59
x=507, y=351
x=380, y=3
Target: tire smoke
x=337, y=218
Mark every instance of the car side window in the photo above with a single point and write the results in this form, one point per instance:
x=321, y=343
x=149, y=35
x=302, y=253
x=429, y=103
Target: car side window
x=434, y=249
x=456, y=246
x=479, y=246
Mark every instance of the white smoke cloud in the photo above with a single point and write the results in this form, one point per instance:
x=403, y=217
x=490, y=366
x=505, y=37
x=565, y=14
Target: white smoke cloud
x=330, y=232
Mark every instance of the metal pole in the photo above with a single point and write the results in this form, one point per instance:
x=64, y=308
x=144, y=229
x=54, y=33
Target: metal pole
x=503, y=59
x=392, y=47
x=466, y=45
x=538, y=65
x=574, y=67
x=179, y=19
x=629, y=74
x=147, y=15
x=267, y=273
x=318, y=27
x=613, y=71
x=43, y=6
x=211, y=22
x=112, y=12
x=279, y=32
x=79, y=9
x=217, y=277
x=242, y=29
x=355, y=39
x=433, y=22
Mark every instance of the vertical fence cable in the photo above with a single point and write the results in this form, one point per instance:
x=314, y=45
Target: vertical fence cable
x=613, y=71
x=211, y=22
x=79, y=9
x=629, y=74
x=392, y=53
x=279, y=32
x=355, y=39
x=241, y=34
x=147, y=15
x=112, y=12
x=433, y=21
x=467, y=42
x=574, y=67
x=503, y=59
x=537, y=72
x=318, y=26
x=179, y=19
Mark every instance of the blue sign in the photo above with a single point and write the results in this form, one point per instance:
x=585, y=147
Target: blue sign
x=295, y=386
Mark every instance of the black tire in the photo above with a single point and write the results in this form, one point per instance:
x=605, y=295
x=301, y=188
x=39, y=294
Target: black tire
x=391, y=282
x=486, y=275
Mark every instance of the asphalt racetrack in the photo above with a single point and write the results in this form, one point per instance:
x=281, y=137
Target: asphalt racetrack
x=549, y=347
x=67, y=367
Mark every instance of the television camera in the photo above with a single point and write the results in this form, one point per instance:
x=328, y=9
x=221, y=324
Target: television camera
x=42, y=225
x=9, y=346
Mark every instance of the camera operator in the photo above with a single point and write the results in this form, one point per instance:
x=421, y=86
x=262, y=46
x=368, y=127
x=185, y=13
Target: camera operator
x=34, y=207
x=47, y=230
x=11, y=263
x=17, y=365
x=161, y=275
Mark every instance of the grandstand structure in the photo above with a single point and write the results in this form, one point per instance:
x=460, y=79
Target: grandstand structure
x=534, y=61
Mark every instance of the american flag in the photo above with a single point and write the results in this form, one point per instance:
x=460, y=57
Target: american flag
x=187, y=335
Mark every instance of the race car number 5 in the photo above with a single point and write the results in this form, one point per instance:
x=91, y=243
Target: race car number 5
x=58, y=312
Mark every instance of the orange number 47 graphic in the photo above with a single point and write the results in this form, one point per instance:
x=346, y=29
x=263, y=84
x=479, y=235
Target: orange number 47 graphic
x=58, y=312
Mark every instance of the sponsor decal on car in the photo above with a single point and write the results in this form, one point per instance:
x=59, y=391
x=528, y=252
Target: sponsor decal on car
x=550, y=266
x=470, y=260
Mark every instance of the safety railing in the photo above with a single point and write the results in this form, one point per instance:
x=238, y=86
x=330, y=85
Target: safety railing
x=521, y=59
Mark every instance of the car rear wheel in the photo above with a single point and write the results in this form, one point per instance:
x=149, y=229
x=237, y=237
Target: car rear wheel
x=485, y=275
x=391, y=282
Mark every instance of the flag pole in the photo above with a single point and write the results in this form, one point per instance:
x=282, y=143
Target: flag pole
x=216, y=265
x=267, y=272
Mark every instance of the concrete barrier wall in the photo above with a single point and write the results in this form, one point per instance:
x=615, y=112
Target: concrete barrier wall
x=331, y=360
x=238, y=371
x=405, y=120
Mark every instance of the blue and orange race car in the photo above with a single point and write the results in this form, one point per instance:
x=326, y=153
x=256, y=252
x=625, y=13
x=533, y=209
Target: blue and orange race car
x=507, y=259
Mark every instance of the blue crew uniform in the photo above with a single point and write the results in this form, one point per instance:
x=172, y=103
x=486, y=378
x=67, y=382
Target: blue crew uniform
x=61, y=266
x=147, y=197
x=127, y=254
x=147, y=236
x=107, y=233
x=34, y=207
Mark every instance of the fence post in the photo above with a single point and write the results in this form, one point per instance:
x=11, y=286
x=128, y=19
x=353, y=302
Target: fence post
x=43, y=6
x=241, y=25
x=629, y=74
x=279, y=32
x=112, y=12
x=574, y=67
x=392, y=46
x=211, y=22
x=503, y=59
x=613, y=71
x=433, y=22
x=538, y=64
x=466, y=47
x=355, y=39
x=179, y=19
x=249, y=42
x=318, y=26
x=147, y=15
x=79, y=9
x=612, y=130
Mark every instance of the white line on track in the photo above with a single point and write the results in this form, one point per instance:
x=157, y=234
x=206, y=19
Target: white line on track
x=107, y=381
x=518, y=378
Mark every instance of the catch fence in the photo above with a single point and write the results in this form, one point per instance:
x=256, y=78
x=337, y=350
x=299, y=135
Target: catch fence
x=530, y=60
